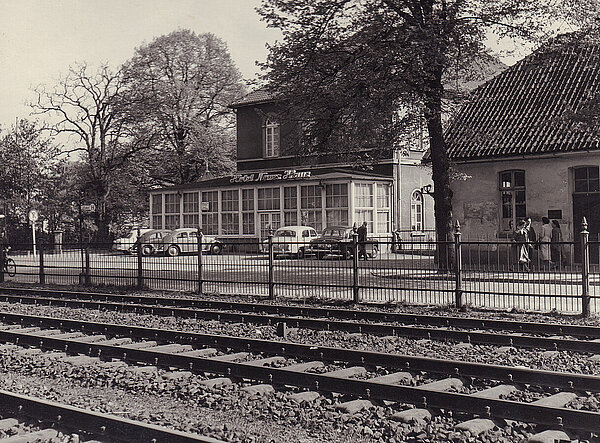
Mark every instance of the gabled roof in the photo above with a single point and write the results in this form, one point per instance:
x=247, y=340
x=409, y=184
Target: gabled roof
x=253, y=98
x=532, y=107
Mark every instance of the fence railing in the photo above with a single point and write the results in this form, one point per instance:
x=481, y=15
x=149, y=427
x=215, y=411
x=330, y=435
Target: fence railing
x=564, y=276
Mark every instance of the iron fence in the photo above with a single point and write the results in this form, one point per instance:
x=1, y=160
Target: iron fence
x=418, y=271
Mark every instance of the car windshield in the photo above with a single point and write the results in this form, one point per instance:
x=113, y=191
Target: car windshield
x=285, y=233
x=334, y=232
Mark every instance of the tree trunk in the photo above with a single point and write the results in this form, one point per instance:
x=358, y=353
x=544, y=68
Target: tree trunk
x=441, y=177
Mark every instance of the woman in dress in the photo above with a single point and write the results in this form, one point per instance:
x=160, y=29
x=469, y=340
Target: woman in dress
x=556, y=247
x=544, y=242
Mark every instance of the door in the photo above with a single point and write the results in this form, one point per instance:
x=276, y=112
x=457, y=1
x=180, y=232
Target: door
x=588, y=206
x=268, y=221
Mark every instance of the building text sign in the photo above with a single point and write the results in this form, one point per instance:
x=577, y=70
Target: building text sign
x=291, y=174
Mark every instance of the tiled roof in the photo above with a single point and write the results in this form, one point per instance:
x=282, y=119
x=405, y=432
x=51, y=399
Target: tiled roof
x=532, y=107
x=254, y=97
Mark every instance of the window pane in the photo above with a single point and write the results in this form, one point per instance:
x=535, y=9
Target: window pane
x=506, y=180
x=310, y=197
x=593, y=185
x=248, y=223
x=190, y=202
x=290, y=218
x=593, y=172
x=171, y=204
x=383, y=196
x=268, y=199
x=364, y=195
x=336, y=195
x=290, y=200
x=581, y=173
x=336, y=217
x=247, y=199
x=229, y=200
x=157, y=204
x=581, y=186
x=519, y=178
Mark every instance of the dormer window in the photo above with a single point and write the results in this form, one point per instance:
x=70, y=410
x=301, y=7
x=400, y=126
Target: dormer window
x=271, y=130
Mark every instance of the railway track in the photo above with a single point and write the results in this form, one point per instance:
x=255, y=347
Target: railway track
x=549, y=336
x=28, y=419
x=486, y=392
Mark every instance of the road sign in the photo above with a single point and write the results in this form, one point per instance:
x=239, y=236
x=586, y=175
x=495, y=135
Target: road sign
x=33, y=215
x=88, y=208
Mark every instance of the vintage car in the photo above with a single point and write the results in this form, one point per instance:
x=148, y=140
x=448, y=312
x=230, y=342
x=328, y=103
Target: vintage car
x=151, y=240
x=337, y=241
x=292, y=240
x=185, y=240
x=128, y=243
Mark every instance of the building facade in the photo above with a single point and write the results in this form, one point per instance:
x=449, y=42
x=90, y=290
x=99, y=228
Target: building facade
x=274, y=187
x=527, y=144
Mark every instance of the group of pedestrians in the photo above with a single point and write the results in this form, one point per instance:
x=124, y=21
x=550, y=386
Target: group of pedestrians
x=547, y=246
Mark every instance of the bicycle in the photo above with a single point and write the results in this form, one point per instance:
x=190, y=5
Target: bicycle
x=10, y=267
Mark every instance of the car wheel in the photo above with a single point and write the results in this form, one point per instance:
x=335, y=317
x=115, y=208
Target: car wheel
x=300, y=253
x=147, y=250
x=346, y=253
x=374, y=252
x=173, y=251
x=216, y=249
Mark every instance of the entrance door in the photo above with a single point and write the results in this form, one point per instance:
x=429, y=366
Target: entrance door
x=267, y=221
x=588, y=206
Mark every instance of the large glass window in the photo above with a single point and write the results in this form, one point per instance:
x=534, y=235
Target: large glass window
x=290, y=206
x=248, y=211
x=363, y=203
x=416, y=211
x=230, y=218
x=336, y=202
x=384, y=201
x=157, y=210
x=271, y=134
x=210, y=212
x=191, y=209
x=587, y=179
x=172, y=216
x=311, y=206
x=268, y=199
x=512, y=196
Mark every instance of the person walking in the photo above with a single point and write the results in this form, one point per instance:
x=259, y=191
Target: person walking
x=362, y=240
x=557, y=254
x=522, y=248
x=532, y=242
x=544, y=243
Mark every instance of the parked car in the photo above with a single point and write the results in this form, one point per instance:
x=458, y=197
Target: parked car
x=184, y=240
x=127, y=244
x=337, y=240
x=152, y=240
x=291, y=240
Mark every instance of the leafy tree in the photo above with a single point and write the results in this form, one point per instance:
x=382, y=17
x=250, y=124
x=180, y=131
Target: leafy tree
x=91, y=110
x=26, y=161
x=179, y=86
x=346, y=66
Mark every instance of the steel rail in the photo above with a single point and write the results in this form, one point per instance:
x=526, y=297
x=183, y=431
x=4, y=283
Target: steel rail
x=474, y=337
x=96, y=423
x=571, y=381
x=330, y=312
x=506, y=409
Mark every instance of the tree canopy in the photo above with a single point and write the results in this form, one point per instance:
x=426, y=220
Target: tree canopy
x=179, y=86
x=345, y=67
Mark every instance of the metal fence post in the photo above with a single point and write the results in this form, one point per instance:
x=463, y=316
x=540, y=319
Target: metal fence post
x=271, y=265
x=200, y=262
x=42, y=270
x=355, y=287
x=3, y=261
x=585, y=269
x=458, y=292
x=87, y=266
x=140, y=269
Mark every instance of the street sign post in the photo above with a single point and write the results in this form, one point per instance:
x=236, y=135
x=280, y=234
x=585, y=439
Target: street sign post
x=33, y=217
x=88, y=208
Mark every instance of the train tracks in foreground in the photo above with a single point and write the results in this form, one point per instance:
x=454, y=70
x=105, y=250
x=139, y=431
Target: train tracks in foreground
x=487, y=392
x=549, y=336
x=32, y=419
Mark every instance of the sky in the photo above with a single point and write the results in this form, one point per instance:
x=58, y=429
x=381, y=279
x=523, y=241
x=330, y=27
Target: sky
x=40, y=39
